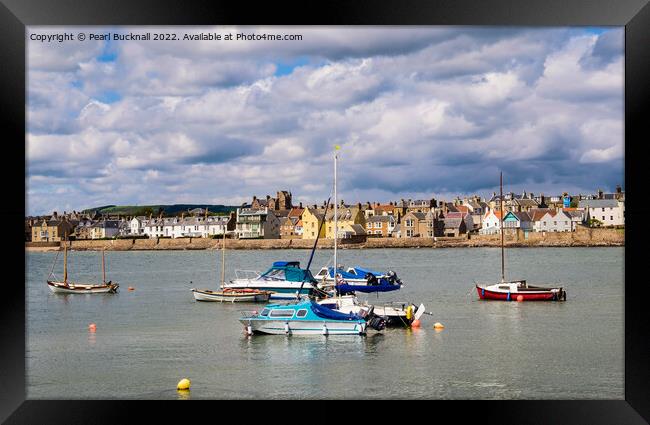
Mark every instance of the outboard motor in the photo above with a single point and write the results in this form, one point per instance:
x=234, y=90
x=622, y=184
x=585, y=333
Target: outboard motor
x=392, y=278
x=372, y=279
x=377, y=323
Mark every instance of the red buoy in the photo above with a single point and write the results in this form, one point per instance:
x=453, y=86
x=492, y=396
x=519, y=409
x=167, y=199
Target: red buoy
x=415, y=324
x=92, y=327
x=520, y=298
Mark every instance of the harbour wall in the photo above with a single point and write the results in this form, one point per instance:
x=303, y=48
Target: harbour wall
x=583, y=236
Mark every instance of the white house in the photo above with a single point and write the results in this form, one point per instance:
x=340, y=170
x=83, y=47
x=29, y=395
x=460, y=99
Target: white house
x=555, y=221
x=491, y=223
x=217, y=225
x=298, y=229
x=153, y=227
x=136, y=226
x=609, y=212
x=577, y=216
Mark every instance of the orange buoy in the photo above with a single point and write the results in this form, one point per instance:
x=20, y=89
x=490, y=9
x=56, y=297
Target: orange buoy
x=415, y=324
x=92, y=327
x=438, y=326
x=520, y=298
x=131, y=288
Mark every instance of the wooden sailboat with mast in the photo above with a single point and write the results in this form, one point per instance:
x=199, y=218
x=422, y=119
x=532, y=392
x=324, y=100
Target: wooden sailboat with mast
x=65, y=287
x=515, y=290
x=230, y=294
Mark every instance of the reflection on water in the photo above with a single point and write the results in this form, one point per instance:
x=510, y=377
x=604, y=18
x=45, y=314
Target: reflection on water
x=183, y=394
x=148, y=339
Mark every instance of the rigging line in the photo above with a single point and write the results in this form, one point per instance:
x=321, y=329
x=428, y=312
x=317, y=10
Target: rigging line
x=54, y=264
x=311, y=257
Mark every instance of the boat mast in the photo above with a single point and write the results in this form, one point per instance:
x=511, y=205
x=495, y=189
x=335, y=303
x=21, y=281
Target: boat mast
x=336, y=229
x=503, y=272
x=223, y=258
x=103, y=267
x=65, y=258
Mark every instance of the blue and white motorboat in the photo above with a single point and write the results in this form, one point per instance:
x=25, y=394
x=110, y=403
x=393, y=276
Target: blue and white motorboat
x=358, y=277
x=285, y=279
x=303, y=318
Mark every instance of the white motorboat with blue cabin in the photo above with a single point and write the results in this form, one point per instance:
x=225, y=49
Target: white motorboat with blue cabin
x=285, y=279
x=306, y=317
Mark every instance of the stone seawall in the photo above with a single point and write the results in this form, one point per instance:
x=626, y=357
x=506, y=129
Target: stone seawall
x=581, y=237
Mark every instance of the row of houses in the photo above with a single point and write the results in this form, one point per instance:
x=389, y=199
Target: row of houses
x=274, y=218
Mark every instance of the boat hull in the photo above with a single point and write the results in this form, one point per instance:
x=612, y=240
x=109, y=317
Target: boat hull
x=305, y=327
x=62, y=288
x=394, y=316
x=551, y=294
x=231, y=296
x=282, y=290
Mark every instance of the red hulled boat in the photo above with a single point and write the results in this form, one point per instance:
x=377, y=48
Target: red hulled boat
x=517, y=290
x=511, y=291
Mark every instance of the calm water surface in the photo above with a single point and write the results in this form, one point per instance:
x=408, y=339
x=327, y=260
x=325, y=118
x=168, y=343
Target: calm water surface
x=150, y=338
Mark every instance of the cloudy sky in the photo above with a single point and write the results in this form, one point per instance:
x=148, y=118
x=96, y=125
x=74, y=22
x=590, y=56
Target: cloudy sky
x=419, y=112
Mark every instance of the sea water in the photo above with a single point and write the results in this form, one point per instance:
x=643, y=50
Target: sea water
x=147, y=339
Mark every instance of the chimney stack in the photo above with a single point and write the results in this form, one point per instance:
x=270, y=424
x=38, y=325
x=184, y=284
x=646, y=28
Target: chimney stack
x=300, y=205
x=600, y=194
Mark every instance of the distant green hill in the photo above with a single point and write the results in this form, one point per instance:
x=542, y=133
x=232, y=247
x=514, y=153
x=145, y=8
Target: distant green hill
x=167, y=210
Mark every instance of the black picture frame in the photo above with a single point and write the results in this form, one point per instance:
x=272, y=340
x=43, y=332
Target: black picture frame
x=633, y=14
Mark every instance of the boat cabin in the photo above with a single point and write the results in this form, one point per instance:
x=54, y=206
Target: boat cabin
x=288, y=271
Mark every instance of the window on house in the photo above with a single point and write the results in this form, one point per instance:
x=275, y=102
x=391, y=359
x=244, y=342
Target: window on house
x=603, y=218
x=611, y=217
x=409, y=232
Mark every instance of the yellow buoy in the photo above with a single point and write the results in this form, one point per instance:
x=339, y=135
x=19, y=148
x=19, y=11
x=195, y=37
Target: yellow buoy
x=183, y=384
x=438, y=325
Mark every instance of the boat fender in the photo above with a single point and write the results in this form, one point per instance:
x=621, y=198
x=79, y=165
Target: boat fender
x=508, y=297
x=325, y=329
x=249, y=330
x=409, y=312
x=482, y=292
x=286, y=328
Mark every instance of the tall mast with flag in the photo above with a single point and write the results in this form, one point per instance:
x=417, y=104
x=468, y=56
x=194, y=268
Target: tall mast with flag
x=336, y=229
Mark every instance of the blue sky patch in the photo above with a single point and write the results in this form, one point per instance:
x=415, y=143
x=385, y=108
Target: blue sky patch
x=109, y=96
x=286, y=68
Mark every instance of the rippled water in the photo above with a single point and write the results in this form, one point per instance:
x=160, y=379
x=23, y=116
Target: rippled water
x=150, y=338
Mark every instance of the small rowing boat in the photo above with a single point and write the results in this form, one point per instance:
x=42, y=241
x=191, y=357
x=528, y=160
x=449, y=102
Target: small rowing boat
x=232, y=295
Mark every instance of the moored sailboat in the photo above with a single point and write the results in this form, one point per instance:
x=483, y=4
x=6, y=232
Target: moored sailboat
x=65, y=287
x=516, y=290
x=230, y=294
